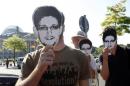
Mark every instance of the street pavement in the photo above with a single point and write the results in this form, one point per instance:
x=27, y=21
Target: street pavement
x=101, y=81
x=16, y=71
x=10, y=70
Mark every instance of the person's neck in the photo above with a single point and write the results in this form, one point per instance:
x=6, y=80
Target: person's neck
x=114, y=50
x=60, y=45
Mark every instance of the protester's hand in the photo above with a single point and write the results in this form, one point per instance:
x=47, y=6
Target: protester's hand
x=105, y=53
x=46, y=58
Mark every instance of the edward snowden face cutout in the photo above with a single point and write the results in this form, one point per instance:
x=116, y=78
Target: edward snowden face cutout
x=86, y=48
x=49, y=32
x=109, y=42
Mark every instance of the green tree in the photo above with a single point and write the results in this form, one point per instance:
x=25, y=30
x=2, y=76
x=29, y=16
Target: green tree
x=15, y=43
x=97, y=51
x=128, y=45
x=116, y=17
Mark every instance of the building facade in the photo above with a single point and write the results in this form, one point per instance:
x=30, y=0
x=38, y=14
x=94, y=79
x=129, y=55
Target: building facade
x=12, y=30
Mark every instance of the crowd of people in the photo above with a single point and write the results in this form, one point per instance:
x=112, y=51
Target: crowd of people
x=57, y=64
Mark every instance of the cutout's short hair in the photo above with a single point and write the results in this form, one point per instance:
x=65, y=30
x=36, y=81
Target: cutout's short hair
x=85, y=41
x=109, y=31
x=44, y=11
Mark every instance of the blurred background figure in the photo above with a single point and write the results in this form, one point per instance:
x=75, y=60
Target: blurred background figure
x=85, y=46
x=82, y=34
x=79, y=36
x=7, y=63
x=114, y=59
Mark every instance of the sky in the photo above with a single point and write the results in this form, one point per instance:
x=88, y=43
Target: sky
x=19, y=12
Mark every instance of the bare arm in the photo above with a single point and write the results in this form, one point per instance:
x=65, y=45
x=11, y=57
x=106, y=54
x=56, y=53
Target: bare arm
x=33, y=79
x=105, y=69
x=46, y=59
x=83, y=83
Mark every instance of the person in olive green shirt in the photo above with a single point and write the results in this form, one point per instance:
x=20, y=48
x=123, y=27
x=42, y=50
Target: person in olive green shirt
x=56, y=64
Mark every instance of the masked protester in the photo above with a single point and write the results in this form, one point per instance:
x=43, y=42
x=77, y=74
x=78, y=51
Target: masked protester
x=56, y=64
x=85, y=45
x=114, y=60
x=82, y=33
x=78, y=37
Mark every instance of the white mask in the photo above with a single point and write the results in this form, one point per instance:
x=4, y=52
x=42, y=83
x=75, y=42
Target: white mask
x=109, y=42
x=49, y=32
x=86, y=49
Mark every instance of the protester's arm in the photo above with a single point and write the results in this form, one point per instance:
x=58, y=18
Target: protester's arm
x=85, y=73
x=46, y=59
x=83, y=83
x=105, y=69
x=93, y=68
x=33, y=79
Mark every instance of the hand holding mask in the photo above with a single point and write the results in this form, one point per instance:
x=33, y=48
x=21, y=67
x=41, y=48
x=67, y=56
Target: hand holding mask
x=46, y=58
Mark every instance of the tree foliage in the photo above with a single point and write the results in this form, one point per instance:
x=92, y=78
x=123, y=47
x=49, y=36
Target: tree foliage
x=15, y=43
x=97, y=51
x=128, y=45
x=116, y=17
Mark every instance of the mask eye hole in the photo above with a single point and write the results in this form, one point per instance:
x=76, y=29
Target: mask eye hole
x=43, y=28
x=109, y=41
x=85, y=48
x=106, y=41
x=88, y=48
x=112, y=40
x=54, y=27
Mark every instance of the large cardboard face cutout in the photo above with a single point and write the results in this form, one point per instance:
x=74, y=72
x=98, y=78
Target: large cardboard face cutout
x=86, y=49
x=49, y=32
x=109, y=42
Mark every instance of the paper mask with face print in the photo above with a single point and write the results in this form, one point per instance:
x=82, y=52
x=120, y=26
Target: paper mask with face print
x=109, y=42
x=86, y=49
x=49, y=32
